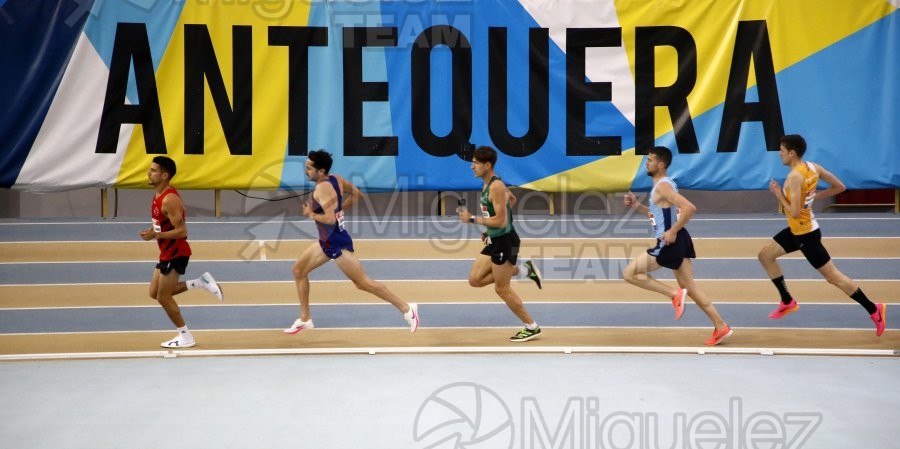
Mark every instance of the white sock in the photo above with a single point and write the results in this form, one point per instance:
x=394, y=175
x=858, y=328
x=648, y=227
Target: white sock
x=184, y=334
x=531, y=326
x=522, y=271
x=195, y=283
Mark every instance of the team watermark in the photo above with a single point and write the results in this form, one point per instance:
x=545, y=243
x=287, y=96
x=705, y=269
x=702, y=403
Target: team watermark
x=603, y=243
x=469, y=415
x=347, y=13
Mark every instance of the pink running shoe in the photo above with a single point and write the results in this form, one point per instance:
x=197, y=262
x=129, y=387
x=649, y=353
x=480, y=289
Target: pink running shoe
x=719, y=335
x=784, y=309
x=678, y=302
x=880, y=319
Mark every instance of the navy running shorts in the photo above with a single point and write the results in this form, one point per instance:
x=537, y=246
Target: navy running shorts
x=671, y=256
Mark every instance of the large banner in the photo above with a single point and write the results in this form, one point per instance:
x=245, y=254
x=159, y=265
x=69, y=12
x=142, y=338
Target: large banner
x=572, y=93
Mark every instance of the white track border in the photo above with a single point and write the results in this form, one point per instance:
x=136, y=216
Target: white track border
x=684, y=350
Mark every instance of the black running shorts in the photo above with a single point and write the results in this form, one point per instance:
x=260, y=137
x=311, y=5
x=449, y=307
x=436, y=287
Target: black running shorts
x=179, y=264
x=503, y=248
x=810, y=244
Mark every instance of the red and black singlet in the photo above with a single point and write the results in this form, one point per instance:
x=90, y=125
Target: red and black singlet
x=168, y=248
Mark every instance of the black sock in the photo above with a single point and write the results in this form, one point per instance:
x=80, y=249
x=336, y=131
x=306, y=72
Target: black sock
x=782, y=290
x=861, y=298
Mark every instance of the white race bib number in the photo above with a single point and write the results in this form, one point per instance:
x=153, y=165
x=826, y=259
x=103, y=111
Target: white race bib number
x=339, y=220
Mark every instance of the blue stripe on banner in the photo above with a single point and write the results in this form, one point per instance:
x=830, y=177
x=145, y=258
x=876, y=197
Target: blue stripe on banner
x=326, y=120
x=474, y=20
x=45, y=34
x=837, y=113
x=832, y=112
x=160, y=19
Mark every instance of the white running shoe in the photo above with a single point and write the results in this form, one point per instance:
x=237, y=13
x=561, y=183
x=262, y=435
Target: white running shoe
x=298, y=326
x=210, y=284
x=180, y=341
x=413, y=318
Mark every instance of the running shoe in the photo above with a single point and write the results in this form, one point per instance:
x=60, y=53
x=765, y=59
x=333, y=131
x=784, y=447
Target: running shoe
x=784, y=309
x=719, y=335
x=210, y=284
x=299, y=325
x=525, y=334
x=180, y=341
x=533, y=273
x=413, y=318
x=678, y=302
x=880, y=318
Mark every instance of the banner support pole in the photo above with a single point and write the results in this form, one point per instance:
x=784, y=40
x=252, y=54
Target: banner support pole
x=218, y=203
x=104, y=203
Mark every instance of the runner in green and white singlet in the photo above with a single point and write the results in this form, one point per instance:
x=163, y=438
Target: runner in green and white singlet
x=497, y=262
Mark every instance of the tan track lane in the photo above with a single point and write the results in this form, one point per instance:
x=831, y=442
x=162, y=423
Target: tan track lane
x=448, y=338
x=430, y=291
x=419, y=249
x=331, y=292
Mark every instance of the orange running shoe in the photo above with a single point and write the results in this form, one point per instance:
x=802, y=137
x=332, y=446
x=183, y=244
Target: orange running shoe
x=678, y=302
x=719, y=335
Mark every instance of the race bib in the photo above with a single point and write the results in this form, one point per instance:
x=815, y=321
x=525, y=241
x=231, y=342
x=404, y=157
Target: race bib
x=810, y=197
x=339, y=220
x=653, y=219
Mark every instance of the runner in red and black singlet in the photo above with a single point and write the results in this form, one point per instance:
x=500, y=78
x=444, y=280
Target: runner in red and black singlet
x=168, y=248
x=170, y=232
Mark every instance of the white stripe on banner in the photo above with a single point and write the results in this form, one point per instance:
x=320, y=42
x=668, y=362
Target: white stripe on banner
x=62, y=157
x=603, y=64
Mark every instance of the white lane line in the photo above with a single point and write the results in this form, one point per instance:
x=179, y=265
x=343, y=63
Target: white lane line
x=517, y=349
x=293, y=302
x=404, y=259
x=439, y=239
x=767, y=281
x=446, y=219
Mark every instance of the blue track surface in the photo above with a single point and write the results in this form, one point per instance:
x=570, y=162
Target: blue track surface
x=152, y=318
x=490, y=313
x=552, y=269
x=605, y=226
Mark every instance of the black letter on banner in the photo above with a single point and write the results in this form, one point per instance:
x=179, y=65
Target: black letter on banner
x=131, y=44
x=420, y=63
x=538, y=92
x=200, y=64
x=752, y=42
x=298, y=40
x=648, y=96
x=357, y=91
x=579, y=92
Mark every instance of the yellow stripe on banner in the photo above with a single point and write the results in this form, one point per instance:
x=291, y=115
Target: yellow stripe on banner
x=218, y=168
x=609, y=175
x=797, y=29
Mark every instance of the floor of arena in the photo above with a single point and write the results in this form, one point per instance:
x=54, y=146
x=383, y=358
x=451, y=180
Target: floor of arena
x=78, y=331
